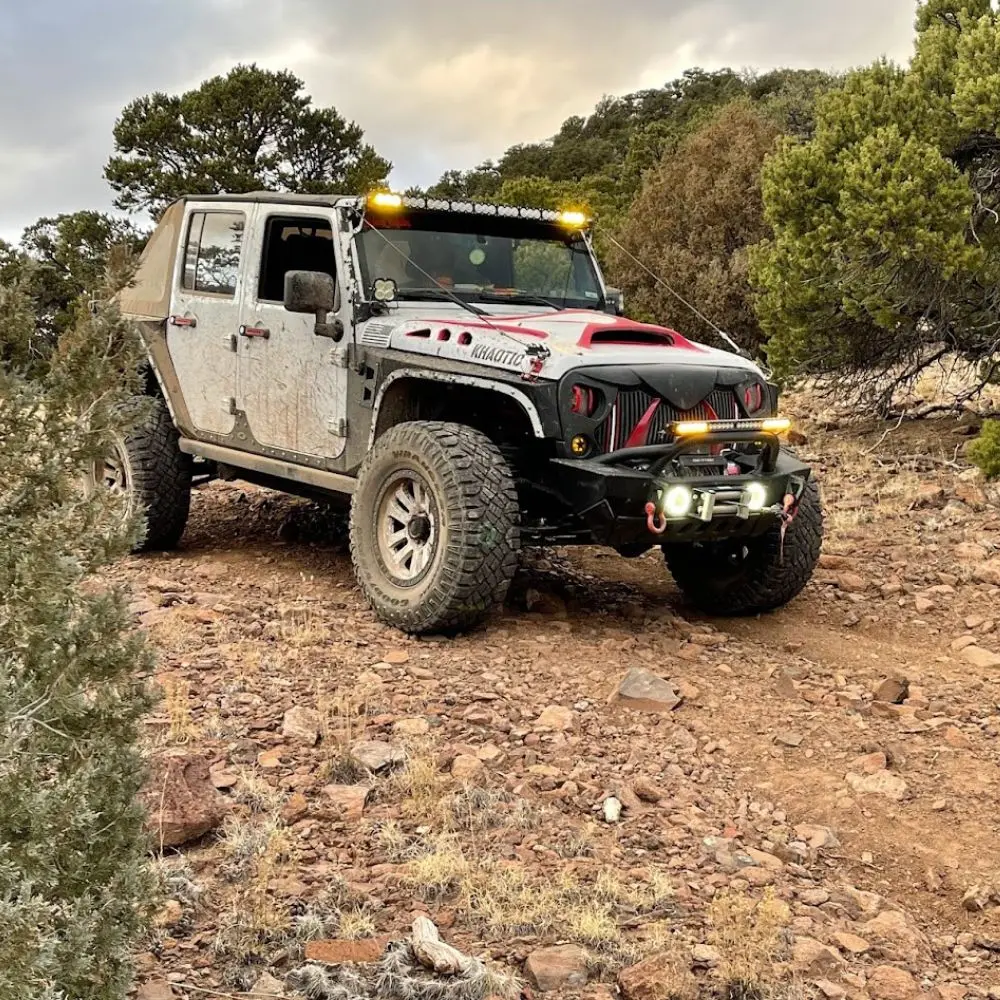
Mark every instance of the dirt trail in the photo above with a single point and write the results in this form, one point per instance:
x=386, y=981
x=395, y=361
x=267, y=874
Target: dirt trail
x=778, y=726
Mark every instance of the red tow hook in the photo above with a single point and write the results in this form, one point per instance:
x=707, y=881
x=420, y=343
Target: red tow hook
x=656, y=527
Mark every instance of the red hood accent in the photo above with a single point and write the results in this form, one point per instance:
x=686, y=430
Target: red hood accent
x=521, y=324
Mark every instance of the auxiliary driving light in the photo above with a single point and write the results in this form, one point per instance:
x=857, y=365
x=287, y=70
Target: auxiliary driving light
x=573, y=218
x=776, y=425
x=755, y=496
x=687, y=428
x=677, y=502
x=385, y=199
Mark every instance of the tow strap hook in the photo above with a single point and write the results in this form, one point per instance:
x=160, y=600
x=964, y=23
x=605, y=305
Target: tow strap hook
x=789, y=508
x=656, y=525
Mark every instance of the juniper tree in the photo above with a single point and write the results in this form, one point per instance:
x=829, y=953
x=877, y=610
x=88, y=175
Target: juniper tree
x=886, y=247
x=73, y=876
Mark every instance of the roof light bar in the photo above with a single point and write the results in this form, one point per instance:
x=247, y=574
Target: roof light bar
x=770, y=425
x=392, y=201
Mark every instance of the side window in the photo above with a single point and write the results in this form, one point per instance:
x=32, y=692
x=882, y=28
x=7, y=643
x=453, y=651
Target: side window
x=294, y=243
x=212, y=252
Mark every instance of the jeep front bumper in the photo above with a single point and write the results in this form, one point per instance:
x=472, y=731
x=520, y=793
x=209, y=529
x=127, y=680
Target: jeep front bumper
x=610, y=495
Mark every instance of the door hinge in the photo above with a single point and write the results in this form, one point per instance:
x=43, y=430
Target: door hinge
x=229, y=404
x=338, y=428
x=338, y=357
x=229, y=341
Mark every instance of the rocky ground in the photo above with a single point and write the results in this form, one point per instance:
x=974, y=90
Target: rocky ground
x=804, y=803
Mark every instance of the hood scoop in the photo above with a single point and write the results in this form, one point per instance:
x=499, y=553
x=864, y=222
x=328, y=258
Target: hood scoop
x=619, y=335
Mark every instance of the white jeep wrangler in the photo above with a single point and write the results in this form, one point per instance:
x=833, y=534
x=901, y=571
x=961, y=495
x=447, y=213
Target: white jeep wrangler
x=462, y=372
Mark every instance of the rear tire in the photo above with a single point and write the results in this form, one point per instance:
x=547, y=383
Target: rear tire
x=434, y=527
x=148, y=466
x=751, y=576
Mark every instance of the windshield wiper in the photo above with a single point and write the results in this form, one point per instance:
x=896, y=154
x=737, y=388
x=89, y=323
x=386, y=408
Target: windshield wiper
x=518, y=298
x=439, y=294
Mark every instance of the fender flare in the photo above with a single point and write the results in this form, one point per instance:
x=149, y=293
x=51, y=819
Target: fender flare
x=530, y=411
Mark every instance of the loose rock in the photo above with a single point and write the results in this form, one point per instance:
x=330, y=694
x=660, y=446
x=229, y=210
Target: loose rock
x=880, y=783
x=813, y=959
x=465, y=767
x=645, y=692
x=342, y=952
x=562, y=967
x=889, y=983
x=301, y=725
x=376, y=755
x=181, y=801
x=347, y=801
x=979, y=657
x=893, y=690
x=156, y=989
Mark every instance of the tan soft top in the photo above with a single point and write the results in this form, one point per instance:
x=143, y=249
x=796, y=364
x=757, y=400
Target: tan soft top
x=148, y=296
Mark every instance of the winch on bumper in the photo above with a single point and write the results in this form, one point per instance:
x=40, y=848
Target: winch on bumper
x=673, y=492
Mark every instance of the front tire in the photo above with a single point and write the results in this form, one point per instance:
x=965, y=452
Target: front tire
x=434, y=527
x=751, y=576
x=154, y=475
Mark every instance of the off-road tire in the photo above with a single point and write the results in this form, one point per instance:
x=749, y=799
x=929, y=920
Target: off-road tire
x=765, y=579
x=160, y=479
x=474, y=510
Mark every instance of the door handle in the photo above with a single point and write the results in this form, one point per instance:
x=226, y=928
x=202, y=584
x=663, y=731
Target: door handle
x=189, y=321
x=255, y=331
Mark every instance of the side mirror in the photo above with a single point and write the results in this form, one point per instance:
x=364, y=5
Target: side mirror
x=309, y=292
x=314, y=292
x=614, y=302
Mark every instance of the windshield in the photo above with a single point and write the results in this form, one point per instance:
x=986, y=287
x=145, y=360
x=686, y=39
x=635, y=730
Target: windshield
x=479, y=259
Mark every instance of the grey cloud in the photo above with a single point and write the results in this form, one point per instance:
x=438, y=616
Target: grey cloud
x=434, y=85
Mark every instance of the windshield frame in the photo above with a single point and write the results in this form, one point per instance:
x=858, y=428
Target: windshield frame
x=577, y=241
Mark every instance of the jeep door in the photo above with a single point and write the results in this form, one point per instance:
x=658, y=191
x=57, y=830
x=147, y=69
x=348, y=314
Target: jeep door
x=292, y=384
x=205, y=312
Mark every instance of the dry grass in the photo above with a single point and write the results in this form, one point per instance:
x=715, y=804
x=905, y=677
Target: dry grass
x=255, y=792
x=579, y=844
x=177, y=702
x=421, y=787
x=253, y=921
x=504, y=900
x=356, y=923
x=441, y=871
x=749, y=934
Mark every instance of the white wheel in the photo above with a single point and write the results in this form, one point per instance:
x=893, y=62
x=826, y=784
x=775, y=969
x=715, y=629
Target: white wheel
x=407, y=527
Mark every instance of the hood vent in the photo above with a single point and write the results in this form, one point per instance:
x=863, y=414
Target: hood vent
x=634, y=337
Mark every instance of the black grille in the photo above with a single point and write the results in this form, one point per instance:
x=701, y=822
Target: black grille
x=632, y=406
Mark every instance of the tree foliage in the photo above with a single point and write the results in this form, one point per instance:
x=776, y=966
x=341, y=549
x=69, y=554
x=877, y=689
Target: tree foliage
x=58, y=264
x=73, y=880
x=692, y=223
x=602, y=158
x=249, y=130
x=884, y=254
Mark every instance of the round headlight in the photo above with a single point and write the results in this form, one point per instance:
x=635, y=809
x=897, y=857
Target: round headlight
x=756, y=496
x=677, y=502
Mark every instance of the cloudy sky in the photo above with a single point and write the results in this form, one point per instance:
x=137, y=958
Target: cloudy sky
x=435, y=83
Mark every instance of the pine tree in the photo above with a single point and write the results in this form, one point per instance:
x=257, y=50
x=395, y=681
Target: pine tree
x=74, y=881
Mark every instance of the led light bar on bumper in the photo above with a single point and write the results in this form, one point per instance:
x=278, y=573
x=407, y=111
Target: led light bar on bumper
x=693, y=428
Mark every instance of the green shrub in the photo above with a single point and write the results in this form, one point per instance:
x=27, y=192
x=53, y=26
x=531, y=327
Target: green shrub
x=984, y=452
x=74, y=880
